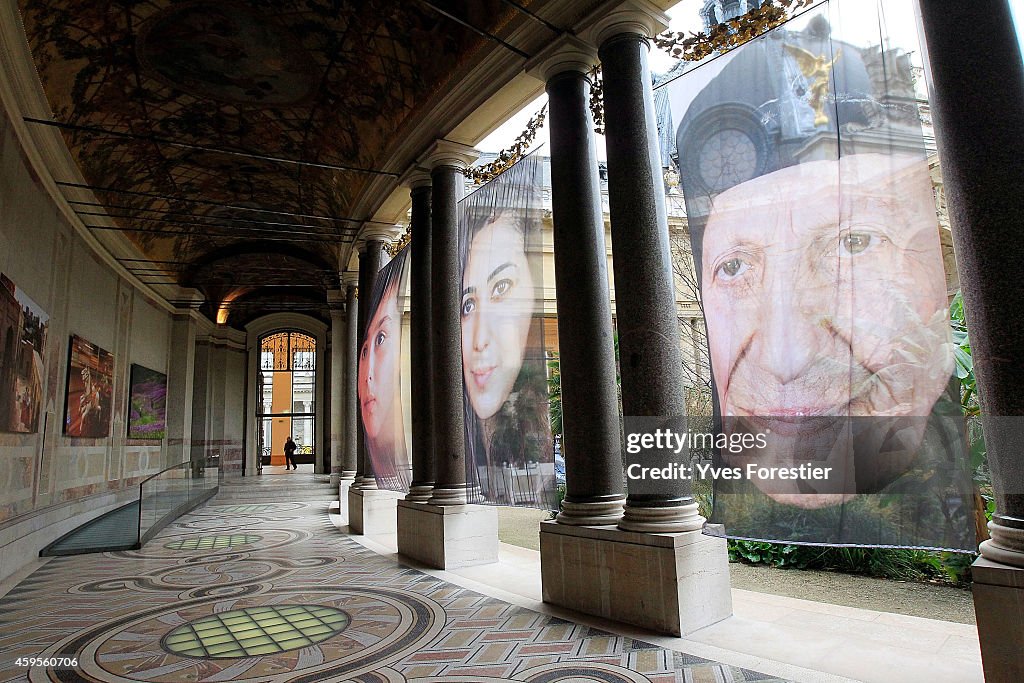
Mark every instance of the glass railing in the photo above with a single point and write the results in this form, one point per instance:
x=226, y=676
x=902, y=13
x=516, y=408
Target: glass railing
x=172, y=492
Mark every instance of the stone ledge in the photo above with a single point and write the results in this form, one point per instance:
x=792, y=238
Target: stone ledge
x=995, y=574
x=612, y=532
x=670, y=583
x=448, y=536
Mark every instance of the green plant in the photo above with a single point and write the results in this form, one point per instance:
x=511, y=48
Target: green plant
x=899, y=564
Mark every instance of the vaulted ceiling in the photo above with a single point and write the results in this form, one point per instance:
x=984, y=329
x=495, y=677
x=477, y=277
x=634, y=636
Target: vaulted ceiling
x=240, y=146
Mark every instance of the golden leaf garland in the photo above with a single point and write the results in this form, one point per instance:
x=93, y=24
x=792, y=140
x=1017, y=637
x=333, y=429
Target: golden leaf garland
x=508, y=157
x=729, y=34
x=400, y=243
x=694, y=47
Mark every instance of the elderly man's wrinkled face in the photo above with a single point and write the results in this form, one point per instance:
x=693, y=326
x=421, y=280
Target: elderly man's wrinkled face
x=824, y=292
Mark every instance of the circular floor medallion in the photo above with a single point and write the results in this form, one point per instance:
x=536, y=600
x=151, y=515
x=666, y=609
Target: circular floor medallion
x=255, y=631
x=217, y=542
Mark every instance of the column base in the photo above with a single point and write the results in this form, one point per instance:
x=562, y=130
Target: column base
x=591, y=514
x=670, y=583
x=448, y=536
x=343, y=500
x=999, y=603
x=1006, y=545
x=447, y=496
x=372, y=511
x=662, y=520
x=420, y=493
x=364, y=484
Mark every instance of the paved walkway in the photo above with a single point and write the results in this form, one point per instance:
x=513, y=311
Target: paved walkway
x=263, y=589
x=274, y=592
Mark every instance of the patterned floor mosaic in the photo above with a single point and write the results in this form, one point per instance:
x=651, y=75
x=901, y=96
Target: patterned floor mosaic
x=274, y=593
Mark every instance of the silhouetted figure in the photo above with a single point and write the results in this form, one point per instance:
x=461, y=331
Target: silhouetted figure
x=289, y=454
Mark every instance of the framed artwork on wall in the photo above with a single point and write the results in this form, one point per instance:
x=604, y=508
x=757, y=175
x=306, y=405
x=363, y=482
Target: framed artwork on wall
x=87, y=404
x=23, y=327
x=147, y=404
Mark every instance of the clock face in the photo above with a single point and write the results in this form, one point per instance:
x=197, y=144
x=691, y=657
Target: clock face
x=728, y=157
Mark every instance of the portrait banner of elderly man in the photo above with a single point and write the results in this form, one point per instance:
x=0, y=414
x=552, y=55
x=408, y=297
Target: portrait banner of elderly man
x=813, y=227
x=383, y=383
x=509, y=450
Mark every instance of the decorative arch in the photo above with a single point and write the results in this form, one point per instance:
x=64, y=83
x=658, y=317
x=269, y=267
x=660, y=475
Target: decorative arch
x=257, y=330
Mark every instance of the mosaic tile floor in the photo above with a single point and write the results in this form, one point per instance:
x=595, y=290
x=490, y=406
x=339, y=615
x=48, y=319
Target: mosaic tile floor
x=275, y=593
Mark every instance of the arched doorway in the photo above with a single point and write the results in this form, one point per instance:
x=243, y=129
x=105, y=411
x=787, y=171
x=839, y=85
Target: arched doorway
x=287, y=395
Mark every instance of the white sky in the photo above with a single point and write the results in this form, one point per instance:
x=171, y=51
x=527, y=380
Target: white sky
x=859, y=28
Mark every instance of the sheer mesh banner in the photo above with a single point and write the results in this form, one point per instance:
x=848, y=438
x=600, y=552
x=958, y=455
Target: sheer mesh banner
x=509, y=455
x=383, y=383
x=812, y=220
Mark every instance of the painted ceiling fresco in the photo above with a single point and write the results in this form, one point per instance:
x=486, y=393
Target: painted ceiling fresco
x=206, y=126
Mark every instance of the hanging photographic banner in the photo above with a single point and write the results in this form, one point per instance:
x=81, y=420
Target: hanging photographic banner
x=23, y=326
x=509, y=451
x=383, y=382
x=816, y=247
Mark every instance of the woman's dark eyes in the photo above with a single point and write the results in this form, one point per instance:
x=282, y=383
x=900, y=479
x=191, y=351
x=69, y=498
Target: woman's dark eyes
x=379, y=339
x=468, y=306
x=500, y=288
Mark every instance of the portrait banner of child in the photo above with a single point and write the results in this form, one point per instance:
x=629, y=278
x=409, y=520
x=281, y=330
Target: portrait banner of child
x=383, y=381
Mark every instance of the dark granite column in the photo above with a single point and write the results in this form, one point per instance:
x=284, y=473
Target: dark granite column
x=350, y=459
x=336, y=389
x=371, y=259
x=650, y=358
x=590, y=413
x=446, y=333
x=978, y=104
x=420, y=344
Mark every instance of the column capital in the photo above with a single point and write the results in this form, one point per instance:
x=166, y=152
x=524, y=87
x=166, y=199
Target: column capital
x=350, y=278
x=415, y=177
x=565, y=53
x=633, y=16
x=447, y=153
x=378, y=232
x=336, y=300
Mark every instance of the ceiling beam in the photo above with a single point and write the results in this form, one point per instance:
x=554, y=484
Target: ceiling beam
x=153, y=139
x=210, y=202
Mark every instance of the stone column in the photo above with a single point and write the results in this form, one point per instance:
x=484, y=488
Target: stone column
x=371, y=260
x=651, y=362
x=979, y=113
x=336, y=299
x=590, y=413
x=351, y=400
x=673, y=583
x=650, y=359
x=446, y=163
x=420, y=345
x=444, y=532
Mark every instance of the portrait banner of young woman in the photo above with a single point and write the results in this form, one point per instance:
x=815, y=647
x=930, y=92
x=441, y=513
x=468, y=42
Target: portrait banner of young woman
x=509, y=450
x=816, y=245
x=383, y=377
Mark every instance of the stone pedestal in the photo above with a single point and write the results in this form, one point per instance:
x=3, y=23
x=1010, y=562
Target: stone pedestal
x=372, y=511
x=448, y=536
x=999, y=603
x=343, y=487
x=670, y=583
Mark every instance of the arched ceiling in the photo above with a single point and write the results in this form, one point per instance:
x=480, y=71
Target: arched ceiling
x=240, y=145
